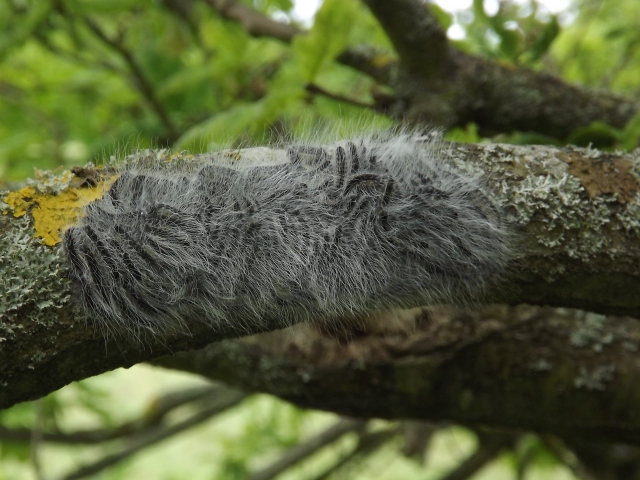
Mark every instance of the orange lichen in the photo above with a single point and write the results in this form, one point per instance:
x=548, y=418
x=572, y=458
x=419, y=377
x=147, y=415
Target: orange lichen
x=53, y=213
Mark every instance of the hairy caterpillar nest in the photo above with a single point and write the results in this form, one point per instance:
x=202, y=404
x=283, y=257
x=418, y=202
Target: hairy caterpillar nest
x=310, y=232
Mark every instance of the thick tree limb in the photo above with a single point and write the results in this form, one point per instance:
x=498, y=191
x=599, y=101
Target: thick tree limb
x=576, y=238
x=416, y=35
x=566, y=372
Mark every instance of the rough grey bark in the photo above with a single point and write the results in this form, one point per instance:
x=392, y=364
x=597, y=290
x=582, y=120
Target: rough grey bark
x=576, y=230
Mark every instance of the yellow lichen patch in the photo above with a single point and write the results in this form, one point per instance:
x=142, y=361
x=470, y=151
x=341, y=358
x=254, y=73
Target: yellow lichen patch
x=53, y=213
x=20, y=201
x=234, y=155
x=179, y=156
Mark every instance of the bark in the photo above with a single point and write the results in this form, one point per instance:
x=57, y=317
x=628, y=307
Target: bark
x=574, y=216
x=564, y=372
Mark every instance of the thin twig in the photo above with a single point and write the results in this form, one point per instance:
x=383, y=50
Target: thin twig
x=44, y=41
x=369, y=443
x=227, y=401
x=141, y=81
x=566, y=456
x=489, y=448
x=254, y=22
x=151, y=422
x=305, y=449
x=417, y=437
x=260, y=25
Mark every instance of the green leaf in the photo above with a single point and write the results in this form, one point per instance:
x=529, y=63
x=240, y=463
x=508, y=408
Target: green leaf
x=478, y=10
x=326, y=39
x=103, y=6
x=15, y=451
x=544, y=40
x=597, y=134
x=23, y=27
x=184, y=79
x=630, y=138
x=468, y=134
x=221, y=129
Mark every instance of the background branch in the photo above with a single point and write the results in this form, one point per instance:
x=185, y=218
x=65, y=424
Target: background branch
x=368, y=443
x=566, y=373
x=254, y=22
x=221, y=403
x=307, y=448
x=489, y=447
x=436, y=84
x=152, y=421
x=416, y=35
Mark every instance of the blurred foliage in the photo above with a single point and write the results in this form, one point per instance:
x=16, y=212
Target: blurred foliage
x=517, y=32
x=86, y=79
x=82, y=80
x=601, y=49
x=597, y=46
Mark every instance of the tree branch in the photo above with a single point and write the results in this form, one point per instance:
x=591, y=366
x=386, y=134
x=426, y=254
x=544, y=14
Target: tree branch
x=565, y=372
x=307, y=448
x=576, y=237
x=147, y=424
x=220, y=404
x=490, y=446
x=415, y=34
x=316, y=89
x=368, y=443
x=447, y=87
x=254, y=22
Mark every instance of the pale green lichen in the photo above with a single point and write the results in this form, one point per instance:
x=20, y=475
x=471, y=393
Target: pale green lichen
x=629, y=218
x=51, y=182
x=591, y=332
x=532, y=186
x=33, y=279
x=556, y=200
x=541, y=365
x=596, y=378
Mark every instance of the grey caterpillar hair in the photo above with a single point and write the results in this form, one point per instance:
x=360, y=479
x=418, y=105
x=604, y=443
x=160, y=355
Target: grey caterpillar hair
x=300, y=232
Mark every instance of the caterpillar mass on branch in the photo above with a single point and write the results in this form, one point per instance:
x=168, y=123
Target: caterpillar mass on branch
x=299, y=232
